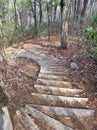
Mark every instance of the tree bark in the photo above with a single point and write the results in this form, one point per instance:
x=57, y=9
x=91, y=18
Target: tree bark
x=40, y=9
x=78, y=8
x=75, y=3
x=15, y=16
x=64, y=23
x=55, y=11
x=84, y=9
x=35, y=20
x=49, y=14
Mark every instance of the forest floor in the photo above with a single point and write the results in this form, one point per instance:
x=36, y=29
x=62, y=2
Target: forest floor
x=20, y=74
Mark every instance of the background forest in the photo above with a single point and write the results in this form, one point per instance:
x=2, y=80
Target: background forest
x=21, y=19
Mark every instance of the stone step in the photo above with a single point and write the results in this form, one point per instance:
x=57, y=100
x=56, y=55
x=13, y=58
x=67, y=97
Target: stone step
x=33, y=56
x=62, y=111
x=53, y=77
x=41, y=53
x=58, y=70
x=26, y=120
x=57, y=91
x=57, y=83
x=76, y=118
x=52, y=65
x=44, y=71
x=47, y=122
x=57, y=63
x=20, y=52
x=41, y=56
x=5, y=121
x=59, y=100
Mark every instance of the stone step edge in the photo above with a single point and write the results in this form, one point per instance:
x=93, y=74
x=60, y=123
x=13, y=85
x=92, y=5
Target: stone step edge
x=65, y=111
x=65, y=89
x=26, y=120
x=51, y=122
x=48, y=76
x=51, y=80
x=57, y=90
x=60, y=98
x=68, y=84
x=52, y=72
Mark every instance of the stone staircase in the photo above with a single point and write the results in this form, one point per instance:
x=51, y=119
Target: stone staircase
x=60, y=104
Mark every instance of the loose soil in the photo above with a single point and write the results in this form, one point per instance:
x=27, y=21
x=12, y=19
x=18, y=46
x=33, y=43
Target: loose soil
x=19, y=76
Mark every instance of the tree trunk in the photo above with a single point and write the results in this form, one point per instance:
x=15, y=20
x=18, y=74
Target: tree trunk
x=75, y=3
x=40, y=9
x=15, y=16
x=49, y=14
x=55, y=11
x=84, y=9
x=35, y=20
x=78, y=8
x=64, y=24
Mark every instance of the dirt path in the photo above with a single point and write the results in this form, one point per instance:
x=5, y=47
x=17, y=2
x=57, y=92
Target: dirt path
x=55, y=100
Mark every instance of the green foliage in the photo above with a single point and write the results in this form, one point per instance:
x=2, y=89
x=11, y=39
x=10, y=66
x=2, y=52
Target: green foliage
x=95, y=35
x=20, y=34
x=93, y=51
x=56, y=2
x=94, y=17
x=89, y=33
x=95, y=44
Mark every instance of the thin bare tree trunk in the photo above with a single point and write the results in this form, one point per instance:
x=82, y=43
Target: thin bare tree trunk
x=15, y=15
x=40, y=9
x=49, y=14
x=64, y=23
x=35, y=20
x=55, y=11
x=84, y=9
x=78, y=8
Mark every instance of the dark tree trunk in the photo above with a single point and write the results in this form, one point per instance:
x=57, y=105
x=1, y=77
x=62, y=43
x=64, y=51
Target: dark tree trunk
x=35, y=20
x=40, y=9
x=64, y=21
x=55, y=11
x=15, y=16
x=78, y=8
x=49, y=14
x=75, y=3
x=84, y=9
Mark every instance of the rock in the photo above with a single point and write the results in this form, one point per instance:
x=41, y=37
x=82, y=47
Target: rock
x=1, y=58
x=74, y=66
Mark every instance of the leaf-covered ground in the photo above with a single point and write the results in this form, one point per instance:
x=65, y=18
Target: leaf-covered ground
x=19, y=75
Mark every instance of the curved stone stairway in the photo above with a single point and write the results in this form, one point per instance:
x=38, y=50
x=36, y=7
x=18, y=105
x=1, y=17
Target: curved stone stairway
x=59, y=103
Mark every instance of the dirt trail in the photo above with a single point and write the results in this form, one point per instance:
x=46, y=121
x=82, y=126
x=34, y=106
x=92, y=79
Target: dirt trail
x=48, y=99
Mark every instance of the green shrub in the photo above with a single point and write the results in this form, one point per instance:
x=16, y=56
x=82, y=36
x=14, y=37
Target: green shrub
x=89, y=33
x=94, y=17
x=95, y=36
x=93, y=51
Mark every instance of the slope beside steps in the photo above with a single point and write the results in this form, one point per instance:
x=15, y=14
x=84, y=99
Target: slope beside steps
x=60, y=103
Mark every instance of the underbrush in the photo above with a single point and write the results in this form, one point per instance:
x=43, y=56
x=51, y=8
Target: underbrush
x=91, y=37
x=10, y=34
